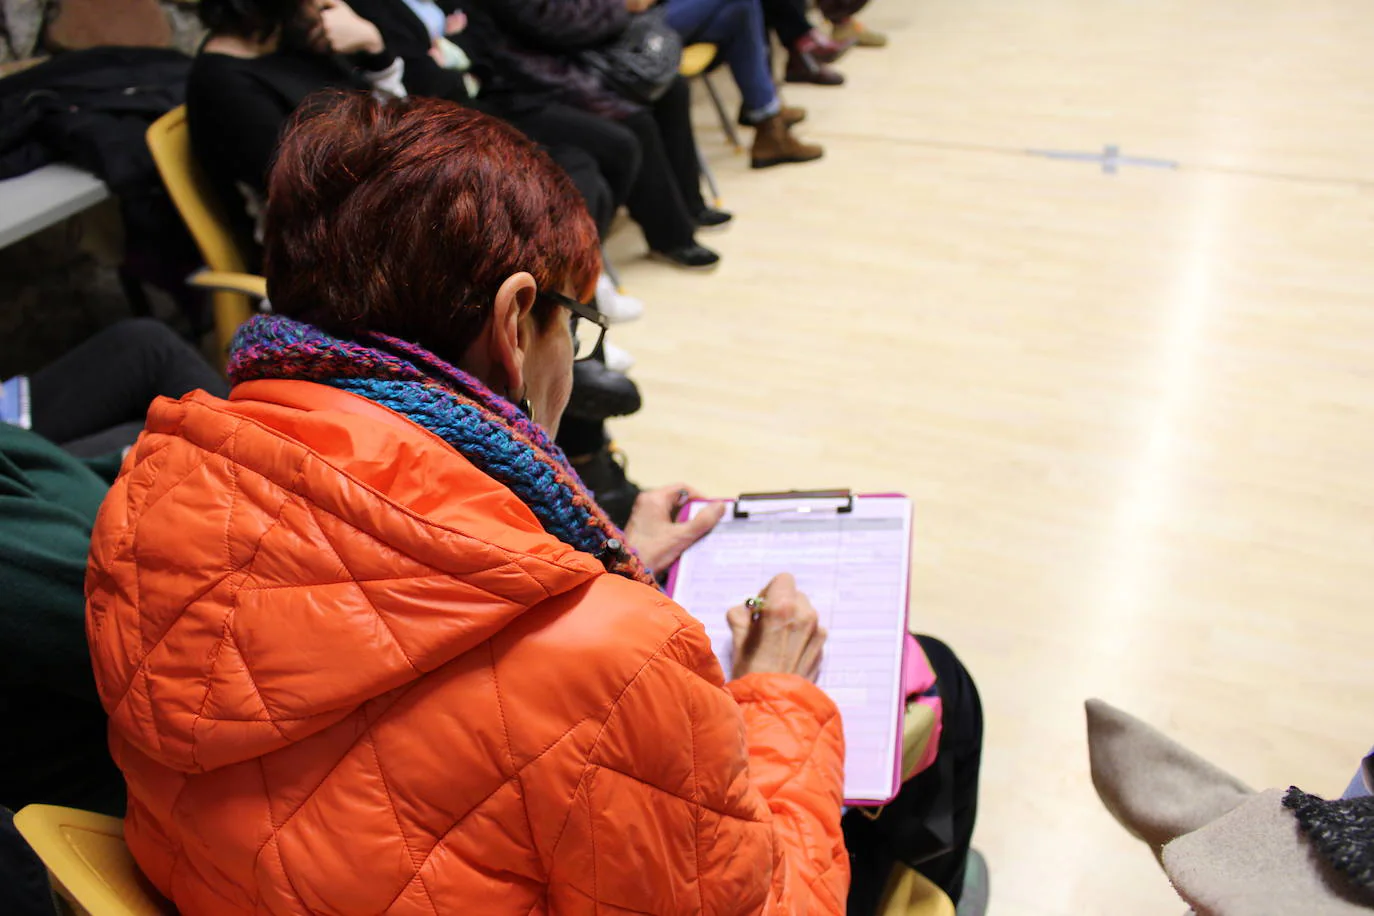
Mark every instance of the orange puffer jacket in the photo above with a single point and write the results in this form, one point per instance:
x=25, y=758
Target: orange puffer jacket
x=347, y=672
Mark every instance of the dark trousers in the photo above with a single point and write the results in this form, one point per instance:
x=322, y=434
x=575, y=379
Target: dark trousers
x=582, y=170
x=648, y=161
x=929, y=826
x=93, y=400
x=667, y=196
x=602, y=158
x=24, y=888
x=787, y=18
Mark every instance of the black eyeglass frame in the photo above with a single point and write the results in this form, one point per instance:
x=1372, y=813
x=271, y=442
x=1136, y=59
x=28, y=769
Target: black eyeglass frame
x=581, y=310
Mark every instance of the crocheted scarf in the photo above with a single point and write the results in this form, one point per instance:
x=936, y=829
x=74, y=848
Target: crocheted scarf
x=485, y=428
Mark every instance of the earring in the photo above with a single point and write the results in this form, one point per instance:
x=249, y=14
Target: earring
x=522, y=404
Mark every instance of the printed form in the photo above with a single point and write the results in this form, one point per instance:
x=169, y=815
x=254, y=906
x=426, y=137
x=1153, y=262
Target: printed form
x=854, y=567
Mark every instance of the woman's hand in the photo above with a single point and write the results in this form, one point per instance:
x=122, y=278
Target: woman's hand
x=345, y=32
x=654, y=532
x=785, y=639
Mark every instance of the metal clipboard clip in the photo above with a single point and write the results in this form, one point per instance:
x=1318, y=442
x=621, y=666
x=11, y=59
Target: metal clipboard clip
x=749, y=505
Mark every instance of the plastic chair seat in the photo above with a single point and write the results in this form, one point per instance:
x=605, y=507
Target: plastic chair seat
x=90, y=865
x=697, y=59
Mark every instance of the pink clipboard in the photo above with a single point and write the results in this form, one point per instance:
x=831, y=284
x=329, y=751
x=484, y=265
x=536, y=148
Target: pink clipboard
x=713, y=576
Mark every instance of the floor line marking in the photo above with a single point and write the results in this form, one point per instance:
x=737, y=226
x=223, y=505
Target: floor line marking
x=1110, y=157
x=1240, y=171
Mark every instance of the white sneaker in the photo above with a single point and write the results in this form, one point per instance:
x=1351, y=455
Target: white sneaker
x=617, y=308
x=616, y=358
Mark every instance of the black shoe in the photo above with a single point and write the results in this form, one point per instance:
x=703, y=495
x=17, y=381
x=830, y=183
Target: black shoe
x=689, y=257
x=710, y=217
x=604, y=475
x=599, y=392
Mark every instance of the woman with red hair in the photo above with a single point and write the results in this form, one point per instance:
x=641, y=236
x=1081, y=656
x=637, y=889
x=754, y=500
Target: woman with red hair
x=366, y=643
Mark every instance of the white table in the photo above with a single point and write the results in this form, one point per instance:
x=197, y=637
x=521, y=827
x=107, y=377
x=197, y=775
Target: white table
x=45, y=196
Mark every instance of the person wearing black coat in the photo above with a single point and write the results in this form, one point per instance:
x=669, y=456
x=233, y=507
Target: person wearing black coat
x=583, y=141
x=524, y=53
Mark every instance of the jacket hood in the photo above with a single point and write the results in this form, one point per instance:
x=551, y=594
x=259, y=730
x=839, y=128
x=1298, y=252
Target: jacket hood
x=265, y=566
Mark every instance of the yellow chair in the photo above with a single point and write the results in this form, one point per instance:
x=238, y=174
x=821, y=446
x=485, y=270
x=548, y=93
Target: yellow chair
x=236, y=293
x=92, y=869
x=90, y=866
x=909, y=893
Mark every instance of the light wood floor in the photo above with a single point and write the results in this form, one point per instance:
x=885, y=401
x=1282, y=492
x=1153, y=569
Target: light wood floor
x=1136, y=412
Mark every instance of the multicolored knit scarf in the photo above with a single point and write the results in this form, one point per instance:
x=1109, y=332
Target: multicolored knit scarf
x=485, y=428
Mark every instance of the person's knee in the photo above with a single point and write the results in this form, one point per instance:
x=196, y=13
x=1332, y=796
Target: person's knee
x=733, y=16
x=957, y=685
x=140, y=332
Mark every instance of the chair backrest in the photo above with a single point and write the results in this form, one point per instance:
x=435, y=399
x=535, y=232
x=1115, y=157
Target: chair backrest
x=90, y=865
x=169, y=140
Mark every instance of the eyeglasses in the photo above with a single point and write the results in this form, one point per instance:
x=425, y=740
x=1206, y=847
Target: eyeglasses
x=584, y=347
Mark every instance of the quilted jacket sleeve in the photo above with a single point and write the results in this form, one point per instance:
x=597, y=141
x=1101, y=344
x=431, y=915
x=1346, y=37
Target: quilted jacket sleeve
x=561, y=25
x=700, y=801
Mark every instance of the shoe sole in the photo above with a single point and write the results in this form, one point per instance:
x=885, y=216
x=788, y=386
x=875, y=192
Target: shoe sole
x=770, y=163
x=701, y=269
x=809, y=81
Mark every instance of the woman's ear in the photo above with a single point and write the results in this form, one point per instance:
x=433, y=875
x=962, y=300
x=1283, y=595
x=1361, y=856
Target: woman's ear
x=512, y=329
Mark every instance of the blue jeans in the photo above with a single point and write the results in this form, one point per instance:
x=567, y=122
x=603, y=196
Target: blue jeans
x=736, y=28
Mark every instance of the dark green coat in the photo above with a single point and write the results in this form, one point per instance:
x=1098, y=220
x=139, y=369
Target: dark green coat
x=52, y=728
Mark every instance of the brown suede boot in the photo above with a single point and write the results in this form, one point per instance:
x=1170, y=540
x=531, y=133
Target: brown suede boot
x=775, y=145
x=792, y=115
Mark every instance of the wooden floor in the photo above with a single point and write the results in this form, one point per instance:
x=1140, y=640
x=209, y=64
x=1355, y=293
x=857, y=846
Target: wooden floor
x=1136, y=411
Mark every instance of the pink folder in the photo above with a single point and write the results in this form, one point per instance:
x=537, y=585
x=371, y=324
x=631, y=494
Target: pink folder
x=851, y=556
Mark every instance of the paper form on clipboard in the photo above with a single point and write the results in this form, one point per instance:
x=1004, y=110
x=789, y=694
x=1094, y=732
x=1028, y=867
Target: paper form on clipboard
x=851, y=557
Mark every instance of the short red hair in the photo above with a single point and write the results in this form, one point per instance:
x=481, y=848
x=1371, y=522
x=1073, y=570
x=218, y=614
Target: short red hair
x=404, y=217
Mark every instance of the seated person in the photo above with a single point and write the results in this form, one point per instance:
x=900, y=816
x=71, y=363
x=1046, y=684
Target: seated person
x=526, y=51
x=418, y=32
x=93, y=399
x=736, y=28
x=809, y=53
x=262, y=58
x=260, y=61
x=405, y=661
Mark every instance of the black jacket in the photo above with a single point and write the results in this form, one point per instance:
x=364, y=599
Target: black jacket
x=93, y=108
x=527, y=49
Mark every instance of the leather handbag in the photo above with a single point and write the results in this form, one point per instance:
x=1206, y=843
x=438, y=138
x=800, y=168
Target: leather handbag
x=642, y=62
